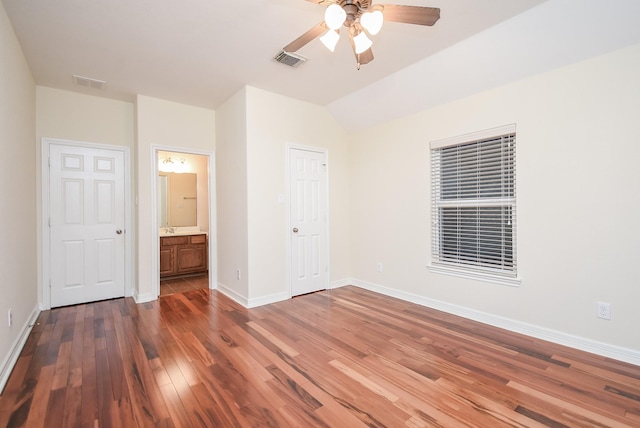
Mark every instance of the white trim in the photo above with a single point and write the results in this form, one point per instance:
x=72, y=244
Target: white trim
x=340, y=283
x=14, y=352
x=588, y=345
x=324, y=151
x=46, y=142
x=266, y=300
x=155, y=230
x=233, y=295
x=478, y=276
x=474, y=136
x=144, y=298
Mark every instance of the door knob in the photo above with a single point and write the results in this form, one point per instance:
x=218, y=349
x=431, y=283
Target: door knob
x=295, y=230
x=119, y=231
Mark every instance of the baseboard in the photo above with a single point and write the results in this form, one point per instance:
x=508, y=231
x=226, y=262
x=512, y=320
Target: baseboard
x=144, y=298
x=340, y=283
x=265, y=300
x=577, y=342
x=233, y=295
x=12, y=357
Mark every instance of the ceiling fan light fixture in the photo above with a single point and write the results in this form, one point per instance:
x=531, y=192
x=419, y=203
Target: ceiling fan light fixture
x=330, y=39
x=372, y=21
x=335, y=16
x=361, y=42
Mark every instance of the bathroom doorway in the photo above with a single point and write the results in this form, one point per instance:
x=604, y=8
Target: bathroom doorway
x=183, y=192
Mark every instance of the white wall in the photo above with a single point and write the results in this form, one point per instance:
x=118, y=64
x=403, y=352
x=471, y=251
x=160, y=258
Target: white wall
x=18, y=192
x=578, y=201
x=273, y=122
x=167, y=124
x=231, y=197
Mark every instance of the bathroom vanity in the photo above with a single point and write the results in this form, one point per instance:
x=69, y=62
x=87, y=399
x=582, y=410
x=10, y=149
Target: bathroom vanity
x=183, y=254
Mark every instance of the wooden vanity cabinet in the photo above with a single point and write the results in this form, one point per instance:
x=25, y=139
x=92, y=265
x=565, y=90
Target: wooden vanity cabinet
x=181, y=255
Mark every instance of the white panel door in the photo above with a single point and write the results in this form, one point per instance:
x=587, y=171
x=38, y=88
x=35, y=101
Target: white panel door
x=308, y=214
x=86, y=207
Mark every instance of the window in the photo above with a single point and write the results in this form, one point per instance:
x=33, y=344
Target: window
x=473, y=208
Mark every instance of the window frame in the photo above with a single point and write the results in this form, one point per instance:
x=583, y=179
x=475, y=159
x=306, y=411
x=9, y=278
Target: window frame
x=443, y=264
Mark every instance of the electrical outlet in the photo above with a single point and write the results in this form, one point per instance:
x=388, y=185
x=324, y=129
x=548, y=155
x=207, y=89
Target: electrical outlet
x=238, y=274
x=604, y=310
x=379, y=266
x=10, y=317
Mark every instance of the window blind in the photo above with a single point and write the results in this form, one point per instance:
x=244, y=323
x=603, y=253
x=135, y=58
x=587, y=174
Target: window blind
x=473, y=202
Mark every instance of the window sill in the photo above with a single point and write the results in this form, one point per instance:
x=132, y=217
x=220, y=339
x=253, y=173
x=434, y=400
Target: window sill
x=486, y=277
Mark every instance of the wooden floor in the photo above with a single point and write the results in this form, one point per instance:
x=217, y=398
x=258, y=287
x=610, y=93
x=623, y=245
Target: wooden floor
x=341, y=358
x=183, y=284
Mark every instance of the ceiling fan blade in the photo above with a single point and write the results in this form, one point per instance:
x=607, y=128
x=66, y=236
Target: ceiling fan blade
x=362, y=58
x=306, y=37
x=417, y=15
x=323, y=2
x=365, y=57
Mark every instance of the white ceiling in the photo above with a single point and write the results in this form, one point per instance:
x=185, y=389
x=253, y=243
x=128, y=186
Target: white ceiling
x=200, y=52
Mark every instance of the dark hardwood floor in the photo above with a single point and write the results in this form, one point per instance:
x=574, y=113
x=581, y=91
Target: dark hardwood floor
x=183, y=284
x=340, y=358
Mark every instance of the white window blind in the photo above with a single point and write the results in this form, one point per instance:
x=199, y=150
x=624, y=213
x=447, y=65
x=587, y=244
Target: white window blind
x=474, y=202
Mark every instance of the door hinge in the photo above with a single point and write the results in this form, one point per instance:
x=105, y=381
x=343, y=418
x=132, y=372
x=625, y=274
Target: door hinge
x=49, y=161
x=49, y=282
x=49, y=221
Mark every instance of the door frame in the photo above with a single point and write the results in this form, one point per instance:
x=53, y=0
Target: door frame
x=46, y=142
x=325, y=152
x=212, y=240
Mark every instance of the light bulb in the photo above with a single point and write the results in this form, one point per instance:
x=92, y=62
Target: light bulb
x=361, y=42
x=330, y=39
x=335, y=16
x=372, y=21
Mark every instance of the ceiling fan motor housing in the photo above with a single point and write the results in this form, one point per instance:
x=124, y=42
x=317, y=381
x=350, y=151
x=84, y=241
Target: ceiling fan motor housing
x=354, y=10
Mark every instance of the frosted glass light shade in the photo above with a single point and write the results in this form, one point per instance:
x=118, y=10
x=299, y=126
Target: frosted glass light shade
x=335, y=16
x=330, y=39
x=372, y=21
x=362, y=42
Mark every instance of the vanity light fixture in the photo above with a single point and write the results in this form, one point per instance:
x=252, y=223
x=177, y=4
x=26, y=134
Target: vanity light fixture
x=170, y=164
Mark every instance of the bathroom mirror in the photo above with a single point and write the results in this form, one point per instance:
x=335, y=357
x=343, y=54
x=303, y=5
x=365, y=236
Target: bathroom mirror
x=177, y=200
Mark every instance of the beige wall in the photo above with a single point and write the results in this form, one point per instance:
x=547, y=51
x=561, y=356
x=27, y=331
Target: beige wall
x=18, y=192
x=577, y=197
x=273, y=122
x=231, y=196
x=79, y=117
x=170, y=125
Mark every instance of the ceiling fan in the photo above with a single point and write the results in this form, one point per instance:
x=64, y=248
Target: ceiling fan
x=360, y=17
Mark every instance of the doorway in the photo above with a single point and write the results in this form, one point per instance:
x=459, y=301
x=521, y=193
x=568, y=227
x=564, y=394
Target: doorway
x=85, y=222
x=308, y=214
x=183, y=192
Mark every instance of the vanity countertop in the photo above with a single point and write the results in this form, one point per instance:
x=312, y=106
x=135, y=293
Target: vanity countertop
x=181, y=231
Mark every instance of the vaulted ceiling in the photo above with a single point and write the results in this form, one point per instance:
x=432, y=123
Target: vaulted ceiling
x=202, y=52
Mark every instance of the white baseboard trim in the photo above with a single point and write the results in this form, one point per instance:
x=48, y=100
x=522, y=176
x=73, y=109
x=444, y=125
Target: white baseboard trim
x=265, y=300
x=251, y=303
x=144, y=298
x=340, y=283
x=233, y=295
x=12, y=357
x=577, y=342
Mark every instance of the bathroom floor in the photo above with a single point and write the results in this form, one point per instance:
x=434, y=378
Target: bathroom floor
x=180, y=285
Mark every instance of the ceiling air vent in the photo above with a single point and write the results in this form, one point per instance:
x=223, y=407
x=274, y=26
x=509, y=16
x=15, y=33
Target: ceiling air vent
x=89, y=83
x=289, y=58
